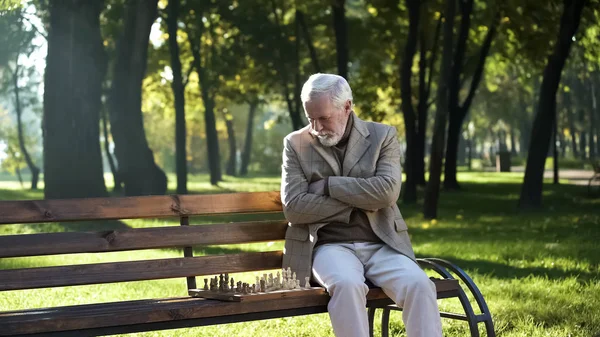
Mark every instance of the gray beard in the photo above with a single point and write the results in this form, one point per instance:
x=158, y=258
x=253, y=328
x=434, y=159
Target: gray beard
x=329, y=141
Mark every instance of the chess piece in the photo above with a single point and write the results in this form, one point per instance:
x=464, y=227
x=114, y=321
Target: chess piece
x=221, y=286
x=232, y=283
x=307, y=282
x=239, y=287
x=257, y=281
x=205, y=284
x=271, y=284
x=289, y=272
x=278, y=280
x=263, y=286
x=254, y=288
x=226, y=282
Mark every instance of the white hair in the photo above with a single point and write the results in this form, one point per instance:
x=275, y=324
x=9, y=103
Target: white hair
x=334, y=86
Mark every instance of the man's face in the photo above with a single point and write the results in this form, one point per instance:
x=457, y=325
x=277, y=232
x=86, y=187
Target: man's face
x=327, y=122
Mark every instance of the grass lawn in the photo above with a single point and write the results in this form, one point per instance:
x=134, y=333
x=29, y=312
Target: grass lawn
x=539, y=271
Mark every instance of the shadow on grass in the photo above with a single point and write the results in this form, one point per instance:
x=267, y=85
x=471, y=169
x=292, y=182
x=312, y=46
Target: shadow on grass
x=503, y=271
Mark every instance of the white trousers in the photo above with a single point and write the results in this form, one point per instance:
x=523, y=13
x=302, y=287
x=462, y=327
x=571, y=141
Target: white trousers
x=342, y=267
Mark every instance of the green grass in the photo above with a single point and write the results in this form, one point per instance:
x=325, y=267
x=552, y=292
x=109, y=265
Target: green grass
x=539, y=271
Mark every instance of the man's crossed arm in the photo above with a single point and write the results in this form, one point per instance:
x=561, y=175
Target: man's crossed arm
x=332, y=199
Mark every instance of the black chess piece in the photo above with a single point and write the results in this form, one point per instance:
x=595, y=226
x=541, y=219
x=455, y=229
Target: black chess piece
x=205, y=284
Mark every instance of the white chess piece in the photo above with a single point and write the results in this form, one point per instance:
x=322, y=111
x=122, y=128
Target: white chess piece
x=289, y=272
x=307, y=282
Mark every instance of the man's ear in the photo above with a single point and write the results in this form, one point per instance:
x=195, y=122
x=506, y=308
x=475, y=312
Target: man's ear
x=348, y=106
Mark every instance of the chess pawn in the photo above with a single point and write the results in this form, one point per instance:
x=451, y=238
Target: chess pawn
x=278, y=280
x=244, y=288
x=263, y=286
x=294, y=276
x=232, y=285
x=254, y=288
x=285, y=284
x=307, y=282
x=205, y=284
x=271, y=284
x=289, y=272
x=239, y=286
x=226, y=282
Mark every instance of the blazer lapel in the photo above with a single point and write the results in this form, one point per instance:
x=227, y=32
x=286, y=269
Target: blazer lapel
x=357, y=145
x=326, y=154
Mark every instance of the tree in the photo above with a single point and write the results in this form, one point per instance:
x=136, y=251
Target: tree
x=75, y=67
x=458, y=111
x=408, y=111
x=432, y=189
x=338, y=8
x=136, y=165
x=17, y=41
x=531, y=190
x=179, y=94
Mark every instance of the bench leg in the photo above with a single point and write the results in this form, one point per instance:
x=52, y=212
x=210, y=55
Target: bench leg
x=371, y=314
x=441, y=266
x=485, y=315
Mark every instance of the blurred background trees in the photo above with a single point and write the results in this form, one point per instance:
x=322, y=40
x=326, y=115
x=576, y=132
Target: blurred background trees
x=150, y=91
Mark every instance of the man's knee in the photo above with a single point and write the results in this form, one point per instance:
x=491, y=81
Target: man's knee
x=420, y=283
x=348, y=285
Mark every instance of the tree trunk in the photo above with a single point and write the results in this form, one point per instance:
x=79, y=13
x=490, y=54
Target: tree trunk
x=593, y=111
x=570, y=120
x=248, y=142
x=179, y=95
x=432, y=191
x=410, y=186
x=524, y=127
x=210, y=127
x=140, y=174
x=35, y=171
x=341, y=36
x=293, y=109
x=582, y=135
x=555, y=150
x=457, y=112
x=232, y=161
x=531, y=190
x=311, y=48
x=513, y=141
x=118, y=184
x=423, y=105
x=75, y=68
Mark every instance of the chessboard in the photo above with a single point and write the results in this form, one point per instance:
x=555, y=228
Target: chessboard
x=257, y=296
x=266, y=287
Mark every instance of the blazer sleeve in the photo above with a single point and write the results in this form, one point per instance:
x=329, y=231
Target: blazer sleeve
x=301, y=207
x=377, y=192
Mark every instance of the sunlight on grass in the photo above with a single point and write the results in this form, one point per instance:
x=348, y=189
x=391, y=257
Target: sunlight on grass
x=539, y=271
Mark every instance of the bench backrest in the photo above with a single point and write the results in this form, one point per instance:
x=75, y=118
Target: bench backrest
x=185, y=236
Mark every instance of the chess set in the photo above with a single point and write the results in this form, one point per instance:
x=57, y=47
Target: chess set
x=267, y=286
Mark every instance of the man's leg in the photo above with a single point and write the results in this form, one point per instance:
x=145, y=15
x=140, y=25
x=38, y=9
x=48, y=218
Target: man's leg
x=336, y=267
x=408, y=285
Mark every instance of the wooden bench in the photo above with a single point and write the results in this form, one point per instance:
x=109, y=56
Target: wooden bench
x=93, y=319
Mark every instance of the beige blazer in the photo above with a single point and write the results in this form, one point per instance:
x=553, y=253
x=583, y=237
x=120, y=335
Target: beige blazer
x=370, y=181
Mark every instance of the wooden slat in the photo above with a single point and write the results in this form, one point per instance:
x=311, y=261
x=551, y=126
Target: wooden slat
x=159, y=310
x=45, y=277
x=141, y=238
x=33, y=211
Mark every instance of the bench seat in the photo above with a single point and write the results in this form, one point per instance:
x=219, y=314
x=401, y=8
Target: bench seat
x=178, y=312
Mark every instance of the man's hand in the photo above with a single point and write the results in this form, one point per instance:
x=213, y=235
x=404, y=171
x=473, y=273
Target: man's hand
x=318, y=187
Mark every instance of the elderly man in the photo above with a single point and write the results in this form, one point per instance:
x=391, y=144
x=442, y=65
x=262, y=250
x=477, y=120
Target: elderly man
x=340, y=183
